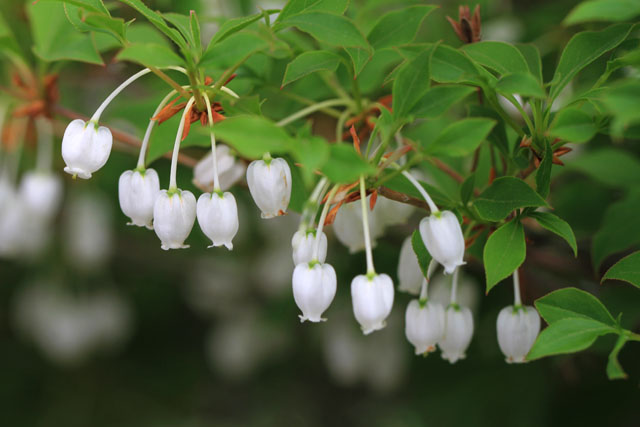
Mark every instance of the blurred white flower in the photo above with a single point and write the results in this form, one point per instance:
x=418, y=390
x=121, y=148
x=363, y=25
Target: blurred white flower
x=303, y=244
x=458, y=330
x=409, y=273
x=41, y=193
x=347, y=227
x=230, y=170
x=216, y=286
x=88, y=230
x=390, y=212
x=424, y=325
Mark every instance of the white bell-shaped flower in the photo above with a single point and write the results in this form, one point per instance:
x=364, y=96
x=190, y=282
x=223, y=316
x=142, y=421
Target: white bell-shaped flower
x=137, y=192
x=409, y=273
x=424, y=325
x=348, y=226
x=372, y=299
x=518, y=328
x=230, y=170
x=442, y=235
x=314, y=286
x=173, y=217
x=218, y=218
x=41, y=193
x=390, y=212
x=270, y=186
x=458, y=330
x=85, y=147
x=303, y=244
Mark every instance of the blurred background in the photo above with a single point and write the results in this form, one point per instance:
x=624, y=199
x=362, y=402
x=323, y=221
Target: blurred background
x=100, y=327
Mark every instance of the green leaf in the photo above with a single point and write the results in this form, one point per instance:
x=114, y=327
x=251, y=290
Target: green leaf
x=523, y=84
x=504, y=251
x=614, y=369
x=466, y=189
x=92, y=5
x=568, y=336
x=498, y=56
x=99, y=22
x=398, y=27
x=157, y=20
x=505, y=195
x=410, y=85
x=359, y=58
x=558, y=226
x=621, y=101
x=252, y=136
x=345, y=165
x=573, y=303
x=328, y=28
x=543, y=175
x=182, y=24
x=423, y=255
x=232, y=26
x=233, y=49
x=611, y=166
x=498, y=135
x=150, y=55
x=461, y=137
x=56, y=39
x=603, y=10
x=310, y=62
x=627, y=269
x=582, y=50
x=531, y=54
x=450, y=66
x=8, y=42
x=573, y=125
x=294, y=7
x=194, y=24
x=620, y=229
x=439, y=99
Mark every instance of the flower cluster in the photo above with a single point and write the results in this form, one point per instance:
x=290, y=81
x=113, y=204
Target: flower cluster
x=172, y=213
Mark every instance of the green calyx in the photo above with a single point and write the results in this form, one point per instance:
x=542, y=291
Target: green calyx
x=267, y=158
x=454, y=305
x=423, y=302
x=371, y=275
x=174, y=190
x=313, y=263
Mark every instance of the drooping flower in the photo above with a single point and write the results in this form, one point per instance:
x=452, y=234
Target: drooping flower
x=518, y=328
x=173, y=217
x=442, y=235
x=458, y=330
x=230, y=170
x=85, y=147
x=409, y=273
x=424, y=325
x=137, y=192
x=303, y=244
x=314, y=286
x=270, y=186
x=390, y=212
x=218, y=218
x=372, y=298
x=41, y=193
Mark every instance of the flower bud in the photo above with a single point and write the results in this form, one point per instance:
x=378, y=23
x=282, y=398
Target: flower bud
x=518, y=329
x=348, y=227
x=313, y=289
x=230, y=170
x=218, y=218
x=304, y=243
x=137, y=192
x=409, y=272
x=424, y=325
x=41, y=193
x=85, y=148
x=458, y=330
x=372, y=299
x=270, y=186
x=173, y=217
x=443, y=238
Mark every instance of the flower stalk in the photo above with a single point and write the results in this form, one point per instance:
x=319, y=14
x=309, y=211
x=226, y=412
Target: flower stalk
x=176, y=147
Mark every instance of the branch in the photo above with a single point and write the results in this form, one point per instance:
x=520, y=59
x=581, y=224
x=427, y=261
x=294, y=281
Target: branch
x=402, y=198
x=122, y=136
